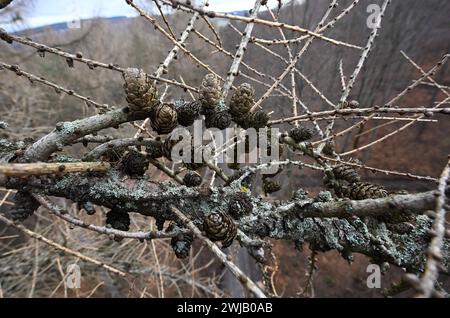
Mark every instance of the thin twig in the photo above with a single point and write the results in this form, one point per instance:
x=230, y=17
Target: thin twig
x=366, y=111
x=365, y=53
x=64, y=215
x=294, y=60
x=213, y=14
x=42, y=168
x=234, y=68
x=60, y=247
x=394, y=132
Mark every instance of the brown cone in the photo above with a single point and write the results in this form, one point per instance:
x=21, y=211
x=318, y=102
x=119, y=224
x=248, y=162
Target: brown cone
x=220, y=227
x=141, y=94
x=164, y=118
x=209, y=92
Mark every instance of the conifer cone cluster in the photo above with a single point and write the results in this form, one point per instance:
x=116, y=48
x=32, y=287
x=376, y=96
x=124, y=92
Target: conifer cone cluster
x=181, y=244
x=220, y=120
x=141, y=93
x=300, y=134
x=164, y=118
x=241, y=102
x=344, y=172
x=24, y=206
x=192, y=179
x=240, y=205
x=209, y=92
x=220, y=227
x=363, y=190
x=134, y=163
x=188, y=112
x=347, y=184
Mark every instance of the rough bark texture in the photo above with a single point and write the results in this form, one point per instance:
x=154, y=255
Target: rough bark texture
x=297, y=220
x=67, y=132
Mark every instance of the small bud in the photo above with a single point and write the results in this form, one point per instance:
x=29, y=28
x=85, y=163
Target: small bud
x=69, y=61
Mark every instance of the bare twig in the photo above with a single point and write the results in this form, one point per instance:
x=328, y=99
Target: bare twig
x=234, y=68
x=294, y=60
x=228, y=16
x=365, y=111
x=61, y=213
x=33, y=78
x=381, y=139
x=92, y=64
x=365, y=53
x=41, y=168
x=174, y=41
x=416, y=83
x=60, y=247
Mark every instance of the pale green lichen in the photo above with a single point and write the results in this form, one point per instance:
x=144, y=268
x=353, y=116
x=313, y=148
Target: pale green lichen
x=68, y=128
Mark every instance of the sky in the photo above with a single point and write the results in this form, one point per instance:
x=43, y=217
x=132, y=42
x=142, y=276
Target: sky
x=45, y=12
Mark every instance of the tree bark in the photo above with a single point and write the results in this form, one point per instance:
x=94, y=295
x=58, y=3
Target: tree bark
x=327, y=226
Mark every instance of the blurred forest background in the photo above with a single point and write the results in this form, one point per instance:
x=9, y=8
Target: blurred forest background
x=419, y=28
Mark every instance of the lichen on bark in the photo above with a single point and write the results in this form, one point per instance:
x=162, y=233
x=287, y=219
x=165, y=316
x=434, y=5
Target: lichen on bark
x=279, y=221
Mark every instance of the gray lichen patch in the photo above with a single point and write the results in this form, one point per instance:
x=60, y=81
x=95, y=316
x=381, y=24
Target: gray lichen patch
x=69, y=128
x=7, y=149
x=373, y=238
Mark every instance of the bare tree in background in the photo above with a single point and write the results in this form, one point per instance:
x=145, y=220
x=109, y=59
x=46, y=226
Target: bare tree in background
x=317, y=98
